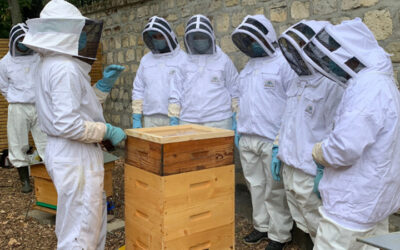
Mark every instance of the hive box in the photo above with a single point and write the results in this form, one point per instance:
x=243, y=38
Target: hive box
x=179, y=188
x=178, y=149
x=45, y=192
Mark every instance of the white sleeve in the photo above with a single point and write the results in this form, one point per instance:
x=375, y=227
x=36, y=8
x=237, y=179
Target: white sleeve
x=66, y=95
x=138, y=85
x=231, y=78
x=355, y=128
x=4, y=81
x=175, y=94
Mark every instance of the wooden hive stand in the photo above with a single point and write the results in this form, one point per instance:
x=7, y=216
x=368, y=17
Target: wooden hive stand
x=45, y=192
x=179, y=188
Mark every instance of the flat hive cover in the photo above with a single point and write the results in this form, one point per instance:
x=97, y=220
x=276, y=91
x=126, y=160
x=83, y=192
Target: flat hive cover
x=170, y=134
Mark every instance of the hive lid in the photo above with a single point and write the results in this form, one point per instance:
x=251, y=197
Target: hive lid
x=170, y=134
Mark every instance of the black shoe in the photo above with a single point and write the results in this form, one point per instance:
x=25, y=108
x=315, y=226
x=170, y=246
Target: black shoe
x=255, y=237
x=24, y=176
x=274, y=245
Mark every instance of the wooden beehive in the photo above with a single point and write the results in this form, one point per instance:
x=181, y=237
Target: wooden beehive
x=179, y=188
x=177, y=149
x=45, y=192
x=192, y=210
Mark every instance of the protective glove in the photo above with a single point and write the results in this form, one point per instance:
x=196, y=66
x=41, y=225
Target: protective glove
x=234, y=128
x=275, y=164
x=137, y=120
x=114, y=134
x=317, y=179
x=110, y=75
x=173, y=121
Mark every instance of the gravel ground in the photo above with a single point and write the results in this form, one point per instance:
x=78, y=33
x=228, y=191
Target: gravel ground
x=19, y=232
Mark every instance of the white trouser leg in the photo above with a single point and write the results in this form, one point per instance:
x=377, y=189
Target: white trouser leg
x=79, y=181
x=254, y=175
x=155, y=121
x=39, y=137
x=270, y=211
x=331, y=235
x=17, y=133
x=224, y=124
x=303, y=202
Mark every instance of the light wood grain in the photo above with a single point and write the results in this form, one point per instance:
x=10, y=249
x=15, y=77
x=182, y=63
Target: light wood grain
x=179, y=133
x=192, y=210
x=45, y=190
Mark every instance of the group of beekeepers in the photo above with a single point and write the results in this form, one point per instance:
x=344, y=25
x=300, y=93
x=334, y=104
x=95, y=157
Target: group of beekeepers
x=316, y=115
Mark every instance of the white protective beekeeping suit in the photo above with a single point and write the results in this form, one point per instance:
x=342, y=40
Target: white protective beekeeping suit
x=71, y=115
x=361, y=156
x=17, y=84
x=311, y=103
x=151, y=86
x=262, y=86
x=205, y=93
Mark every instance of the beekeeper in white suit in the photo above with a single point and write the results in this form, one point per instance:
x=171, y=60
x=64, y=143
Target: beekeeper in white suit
x=360, y=185
x=308, y=118
x=262, y=97
x=207, y=94
x=151, y=86
x=71, y=115
x=17, y=85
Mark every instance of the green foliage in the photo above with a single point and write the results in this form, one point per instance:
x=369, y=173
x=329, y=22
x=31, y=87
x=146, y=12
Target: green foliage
x=5, y=19
x=29, y=9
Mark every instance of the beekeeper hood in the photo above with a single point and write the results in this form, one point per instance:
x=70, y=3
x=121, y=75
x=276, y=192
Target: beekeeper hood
x=293, y=40
x=17, y=34
x=199, y=36
x=344, y=51
x=255, y=36
x=62, y=29
x=155, y=29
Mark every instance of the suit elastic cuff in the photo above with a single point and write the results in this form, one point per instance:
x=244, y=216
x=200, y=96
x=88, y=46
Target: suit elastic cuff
x=318, y=155
x=101, y=96
x=174, y=110
x=94, y=132
x=235, y=105
x=137, y=106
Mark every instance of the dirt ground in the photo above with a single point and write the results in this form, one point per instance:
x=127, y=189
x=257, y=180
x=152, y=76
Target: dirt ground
x=20, y=232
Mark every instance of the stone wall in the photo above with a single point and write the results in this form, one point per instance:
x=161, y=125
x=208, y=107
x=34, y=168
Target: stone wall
x=125, y=19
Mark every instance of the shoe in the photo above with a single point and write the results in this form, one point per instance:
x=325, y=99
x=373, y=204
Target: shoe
x=24, y=177
x=255, y=237
x=274, y=245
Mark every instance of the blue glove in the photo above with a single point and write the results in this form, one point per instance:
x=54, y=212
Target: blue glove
x=137, y=120
x=114, y=134
x=234, y=128
x=110, y=75
x=317, y=179
x=275, y=164
x=173, y=121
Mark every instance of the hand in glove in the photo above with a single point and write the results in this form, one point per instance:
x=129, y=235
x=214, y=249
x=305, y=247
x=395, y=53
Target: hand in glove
x=137, y=120
x=317, y=179
x=275, y=164
x=173, y=121
x=114, y=134
x=110, y=75
x=234, y=128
